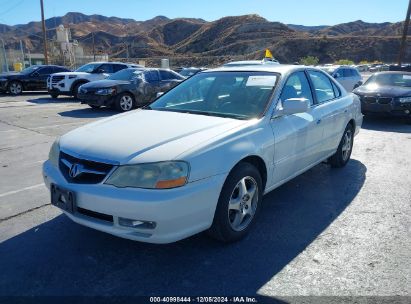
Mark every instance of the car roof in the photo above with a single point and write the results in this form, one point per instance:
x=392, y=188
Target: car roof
x=249, y=62
x=274, y=68
x=114, y=62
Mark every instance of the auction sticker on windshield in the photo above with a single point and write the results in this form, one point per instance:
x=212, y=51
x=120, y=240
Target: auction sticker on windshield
x=261, y=81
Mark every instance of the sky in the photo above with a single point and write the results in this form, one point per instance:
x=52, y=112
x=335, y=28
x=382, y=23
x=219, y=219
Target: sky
x=305, y=12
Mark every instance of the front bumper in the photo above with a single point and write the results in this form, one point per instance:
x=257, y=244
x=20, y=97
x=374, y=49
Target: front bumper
x=97, y=100
x=178, y=213
x=394, y=108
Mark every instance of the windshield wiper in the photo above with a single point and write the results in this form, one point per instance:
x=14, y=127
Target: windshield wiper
x=206, y=113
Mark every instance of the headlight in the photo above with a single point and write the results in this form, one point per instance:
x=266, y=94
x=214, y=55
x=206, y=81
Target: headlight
x=405, y=99
x=161, y=175
x=109, y=91
x=54, y=153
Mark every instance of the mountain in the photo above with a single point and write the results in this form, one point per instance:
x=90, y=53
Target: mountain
x=189, y=41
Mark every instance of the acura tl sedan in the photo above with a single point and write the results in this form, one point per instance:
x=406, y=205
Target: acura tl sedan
x=213, y=146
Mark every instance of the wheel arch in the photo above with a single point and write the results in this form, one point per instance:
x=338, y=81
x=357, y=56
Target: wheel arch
x=79, y=81
x=257, y=162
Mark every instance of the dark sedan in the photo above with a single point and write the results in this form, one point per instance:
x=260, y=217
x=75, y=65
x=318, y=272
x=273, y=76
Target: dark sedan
x=386, y=93
x=33, y=78
x=128, y=88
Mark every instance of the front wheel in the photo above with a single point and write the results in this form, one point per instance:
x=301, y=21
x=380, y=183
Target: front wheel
x=15, y=88
x=94, y=106
x=343, y=153
x=54, y=95
x=125, y=102
x=238, y=204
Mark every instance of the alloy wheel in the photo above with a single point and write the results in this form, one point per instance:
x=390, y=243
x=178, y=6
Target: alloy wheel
x=126, y=103
x=243, y=203
x=15, y=88
x=347, y=145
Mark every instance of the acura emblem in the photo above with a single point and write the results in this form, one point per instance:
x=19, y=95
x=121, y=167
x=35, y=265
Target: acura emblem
x=75, y=170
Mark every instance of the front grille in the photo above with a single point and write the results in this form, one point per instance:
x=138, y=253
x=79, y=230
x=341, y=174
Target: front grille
x=88, y=172
x=380, y=100
x=96, y=215
x=56, y=79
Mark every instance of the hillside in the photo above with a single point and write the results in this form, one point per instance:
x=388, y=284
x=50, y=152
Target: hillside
x=237, y=37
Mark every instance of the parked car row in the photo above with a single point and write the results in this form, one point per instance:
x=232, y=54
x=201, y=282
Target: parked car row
x=347, y=76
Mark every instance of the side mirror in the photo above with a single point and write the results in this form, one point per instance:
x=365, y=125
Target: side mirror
x=295, y=105
x=35, y=74
x=337, y=75
x=159, y=94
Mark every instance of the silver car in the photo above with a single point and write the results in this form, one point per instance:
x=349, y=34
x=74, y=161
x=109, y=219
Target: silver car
x=347, y=76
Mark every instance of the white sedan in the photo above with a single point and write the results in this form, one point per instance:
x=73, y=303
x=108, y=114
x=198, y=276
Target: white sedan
x=202, y=156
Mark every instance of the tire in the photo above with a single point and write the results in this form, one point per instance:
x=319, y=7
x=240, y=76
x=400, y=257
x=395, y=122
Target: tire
x=343, y=153
x=237, y=209
x=125, y=102
x=94, y=106
x=74, y=91
x=54, y=95
x=15, y=88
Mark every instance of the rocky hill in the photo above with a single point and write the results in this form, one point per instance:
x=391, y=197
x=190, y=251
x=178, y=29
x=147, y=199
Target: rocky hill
x=234, y=37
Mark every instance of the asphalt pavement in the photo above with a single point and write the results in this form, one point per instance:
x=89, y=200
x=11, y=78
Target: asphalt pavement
x=329, y=232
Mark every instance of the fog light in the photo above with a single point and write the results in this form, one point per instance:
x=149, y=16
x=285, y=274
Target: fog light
x=407, y=111
x=136, y=223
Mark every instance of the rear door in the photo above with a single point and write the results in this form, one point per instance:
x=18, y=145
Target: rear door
x=169, y=79
x=328, y=100
x=39, y=78
x=152, y=85
x=298, y=137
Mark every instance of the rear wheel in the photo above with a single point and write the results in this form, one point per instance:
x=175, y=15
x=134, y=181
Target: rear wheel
x=343, y=153
x=125, y=102
x=54, y=95
x=238, y=204
x=15, y=88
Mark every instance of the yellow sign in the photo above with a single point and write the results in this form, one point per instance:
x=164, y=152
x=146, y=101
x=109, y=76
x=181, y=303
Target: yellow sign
x=268, y=54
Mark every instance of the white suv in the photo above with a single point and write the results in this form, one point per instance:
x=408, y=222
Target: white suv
x=67, y=83
x=347, y=76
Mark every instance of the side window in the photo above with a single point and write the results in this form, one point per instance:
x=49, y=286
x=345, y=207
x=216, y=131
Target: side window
x=118, y=67
x=348, y=73
x=151, y=76
x=337, y=92
x=105, y=68
x=166, y=75
x=323, y=88
x=297, y=86
x=45, y=71
x=59, y=69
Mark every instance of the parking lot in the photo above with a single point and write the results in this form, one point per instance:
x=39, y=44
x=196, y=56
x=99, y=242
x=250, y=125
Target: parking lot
x=329, y=232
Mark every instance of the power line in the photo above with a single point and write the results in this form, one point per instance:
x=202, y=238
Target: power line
x=13, y=7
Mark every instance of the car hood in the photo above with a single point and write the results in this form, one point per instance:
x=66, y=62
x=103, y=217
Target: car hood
x=106, y=83
x=386, y=91
x=144, y=136
x=10, y=75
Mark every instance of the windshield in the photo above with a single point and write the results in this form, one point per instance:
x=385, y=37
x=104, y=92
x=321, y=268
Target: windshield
x=390, y=79
x=240, y=95
x=88, y=68
x=126, y=74
x=30, y=69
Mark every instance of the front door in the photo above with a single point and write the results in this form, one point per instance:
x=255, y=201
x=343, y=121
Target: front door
x=298, y=137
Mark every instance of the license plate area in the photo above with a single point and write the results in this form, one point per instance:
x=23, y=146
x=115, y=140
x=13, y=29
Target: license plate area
x=63, y=198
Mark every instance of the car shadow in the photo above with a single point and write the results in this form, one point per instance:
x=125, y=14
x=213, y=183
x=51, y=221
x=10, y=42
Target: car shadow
x=89, y=113
x=59, y=257
x=387, y=124
x=46, y=100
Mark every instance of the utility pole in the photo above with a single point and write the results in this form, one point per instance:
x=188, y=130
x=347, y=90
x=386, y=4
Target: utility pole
x=43, y=24
x=94, y=47
x=404, y=35
x=6, y=64
x=22, y=54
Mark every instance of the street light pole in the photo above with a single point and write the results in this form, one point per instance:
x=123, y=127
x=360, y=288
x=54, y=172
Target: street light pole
x=404, y=35
x=43, y=25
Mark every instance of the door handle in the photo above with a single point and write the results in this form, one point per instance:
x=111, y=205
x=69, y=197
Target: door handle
x=318, y=121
